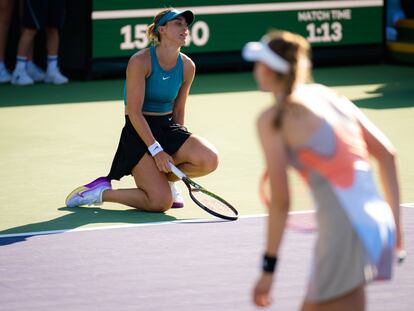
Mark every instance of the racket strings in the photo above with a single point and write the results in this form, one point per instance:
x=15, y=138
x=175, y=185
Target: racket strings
x=212, y=203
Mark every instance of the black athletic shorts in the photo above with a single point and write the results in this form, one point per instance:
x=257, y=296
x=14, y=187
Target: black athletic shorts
x=131, y=147
x=38, y=14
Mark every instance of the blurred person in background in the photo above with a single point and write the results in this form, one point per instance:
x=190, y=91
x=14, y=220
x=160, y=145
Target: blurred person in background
x=330, y=142
x=6, y=12
x=36, y=16
x=394, y=13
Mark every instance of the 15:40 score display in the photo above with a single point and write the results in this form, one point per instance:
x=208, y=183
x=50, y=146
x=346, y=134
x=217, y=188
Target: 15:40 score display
x=134, y=36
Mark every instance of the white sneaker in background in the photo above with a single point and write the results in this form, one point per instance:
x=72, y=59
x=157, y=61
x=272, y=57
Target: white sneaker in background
x=55, y=77
x=35, y=72
x=5, y=76
x=178, y=200
x=21, y=77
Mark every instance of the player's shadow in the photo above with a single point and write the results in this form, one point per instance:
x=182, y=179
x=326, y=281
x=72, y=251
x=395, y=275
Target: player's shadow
x=81, y=216
x=389, y=96
x=395, y=84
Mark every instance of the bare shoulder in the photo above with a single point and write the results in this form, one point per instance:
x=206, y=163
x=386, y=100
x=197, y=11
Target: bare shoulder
x=272, y=142
x=188, y=63
x=141, y=60
x=265, y=121
x=189, y=67
x=187, y=60
x=340, y=102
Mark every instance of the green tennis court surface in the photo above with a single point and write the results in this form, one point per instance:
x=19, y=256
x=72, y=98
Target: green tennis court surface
x=54, y=138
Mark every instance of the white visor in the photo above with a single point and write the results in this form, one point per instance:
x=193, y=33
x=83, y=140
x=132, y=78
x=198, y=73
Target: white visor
x=260, y=51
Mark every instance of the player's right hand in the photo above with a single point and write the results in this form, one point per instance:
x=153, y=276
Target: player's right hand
x=261, y=293
x=162, y=160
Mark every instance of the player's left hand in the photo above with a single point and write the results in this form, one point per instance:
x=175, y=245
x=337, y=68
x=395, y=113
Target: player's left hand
x=401, y=255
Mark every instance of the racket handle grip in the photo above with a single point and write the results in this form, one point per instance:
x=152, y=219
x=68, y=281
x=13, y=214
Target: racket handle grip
x=176, y=171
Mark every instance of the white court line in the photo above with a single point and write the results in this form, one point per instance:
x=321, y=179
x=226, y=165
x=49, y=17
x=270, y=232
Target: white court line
x=242, y=8
x=12, y=235
x=147, y=224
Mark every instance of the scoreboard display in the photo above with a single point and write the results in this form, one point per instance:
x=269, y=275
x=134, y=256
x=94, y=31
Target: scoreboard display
x=119, y=26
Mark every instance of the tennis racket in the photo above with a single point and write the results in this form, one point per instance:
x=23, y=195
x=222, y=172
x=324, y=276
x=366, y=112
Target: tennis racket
x=205, y=199
x=301, y=221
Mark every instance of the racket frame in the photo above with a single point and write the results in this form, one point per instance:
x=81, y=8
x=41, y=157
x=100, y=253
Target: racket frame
x=193, y=186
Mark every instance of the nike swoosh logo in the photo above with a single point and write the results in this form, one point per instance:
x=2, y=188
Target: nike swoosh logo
x=165, y=78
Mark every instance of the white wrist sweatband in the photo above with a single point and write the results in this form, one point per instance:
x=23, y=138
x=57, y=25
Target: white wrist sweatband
x=155, y=148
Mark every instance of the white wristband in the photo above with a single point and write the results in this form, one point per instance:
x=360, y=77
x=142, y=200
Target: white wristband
x=155, y=148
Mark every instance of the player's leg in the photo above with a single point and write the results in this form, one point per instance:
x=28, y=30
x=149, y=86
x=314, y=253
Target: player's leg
x=20, y=75
x=152, y=194
x=196, y=157
x=33, y=20
x=54, y=22
x=53, y=74
x=355, y=301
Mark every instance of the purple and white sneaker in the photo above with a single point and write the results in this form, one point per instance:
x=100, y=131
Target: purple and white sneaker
x=89, y=194
x=177, y=197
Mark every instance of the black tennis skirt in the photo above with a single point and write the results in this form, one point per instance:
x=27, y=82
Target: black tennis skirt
x=132, y=148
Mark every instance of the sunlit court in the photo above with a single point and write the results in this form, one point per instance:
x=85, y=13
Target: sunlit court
x=57, y=136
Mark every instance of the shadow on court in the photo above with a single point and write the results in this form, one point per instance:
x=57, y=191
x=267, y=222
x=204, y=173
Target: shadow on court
x=397, y=83
x=80, y=217
x=392, y=95
x=398, y=89
x=110, y=90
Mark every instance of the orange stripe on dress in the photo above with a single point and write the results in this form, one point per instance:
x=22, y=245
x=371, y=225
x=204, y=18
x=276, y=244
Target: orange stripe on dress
x=339, y=167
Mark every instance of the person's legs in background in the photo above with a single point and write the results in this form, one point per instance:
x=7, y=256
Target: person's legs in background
x=38, y=15
x=34, y=71
x=53, y=74
x=55, y=20
x=6, y=10
x=20, y=75
x=32, y=16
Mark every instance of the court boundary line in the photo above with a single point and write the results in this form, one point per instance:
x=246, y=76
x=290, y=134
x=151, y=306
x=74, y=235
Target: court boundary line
x=146, y=224
x=155, y=223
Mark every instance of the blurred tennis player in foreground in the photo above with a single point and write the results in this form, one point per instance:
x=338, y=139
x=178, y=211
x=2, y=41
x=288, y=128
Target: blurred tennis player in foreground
x=329, y=141
x=157, y=86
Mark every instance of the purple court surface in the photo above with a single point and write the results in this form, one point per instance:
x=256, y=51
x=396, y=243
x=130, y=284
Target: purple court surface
x=194, y=265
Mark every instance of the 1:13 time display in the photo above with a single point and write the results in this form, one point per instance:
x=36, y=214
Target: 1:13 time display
x=327, y=32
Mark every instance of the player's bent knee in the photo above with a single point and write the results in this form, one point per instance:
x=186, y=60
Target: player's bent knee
x=160, y=202
x=210, y=162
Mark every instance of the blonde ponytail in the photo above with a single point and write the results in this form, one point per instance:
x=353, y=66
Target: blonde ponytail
x=152, y=33
x=152, y=36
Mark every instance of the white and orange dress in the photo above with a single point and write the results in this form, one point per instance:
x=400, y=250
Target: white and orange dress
x=356, y=229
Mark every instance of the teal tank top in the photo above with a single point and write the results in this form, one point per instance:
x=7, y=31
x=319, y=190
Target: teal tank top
x=161, y=87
